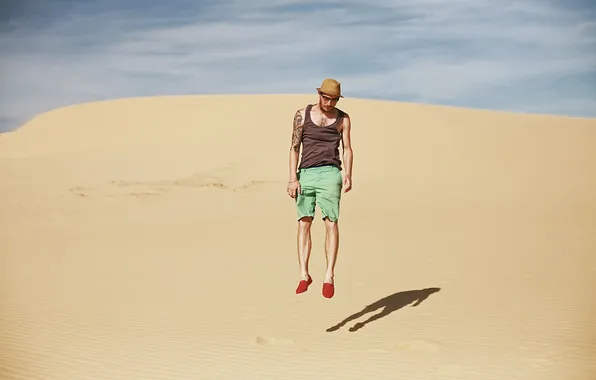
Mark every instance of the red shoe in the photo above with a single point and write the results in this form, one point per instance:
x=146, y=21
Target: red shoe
x=328, y=290
x=303, y=285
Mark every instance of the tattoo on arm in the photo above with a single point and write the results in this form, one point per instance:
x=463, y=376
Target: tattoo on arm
x=297, y=131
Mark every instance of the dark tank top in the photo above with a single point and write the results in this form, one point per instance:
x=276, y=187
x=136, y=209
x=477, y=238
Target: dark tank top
x=320, y=145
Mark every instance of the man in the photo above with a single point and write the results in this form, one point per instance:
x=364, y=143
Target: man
x=319, y=129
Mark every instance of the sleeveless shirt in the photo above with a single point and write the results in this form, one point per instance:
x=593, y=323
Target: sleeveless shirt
x=320, y=145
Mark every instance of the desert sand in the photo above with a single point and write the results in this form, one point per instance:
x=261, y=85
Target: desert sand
x=153, y=238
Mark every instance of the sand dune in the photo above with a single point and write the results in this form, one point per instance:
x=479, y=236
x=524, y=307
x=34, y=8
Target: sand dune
x=153, y=239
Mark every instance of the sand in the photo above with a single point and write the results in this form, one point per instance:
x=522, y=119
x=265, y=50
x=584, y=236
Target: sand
x=153, y=238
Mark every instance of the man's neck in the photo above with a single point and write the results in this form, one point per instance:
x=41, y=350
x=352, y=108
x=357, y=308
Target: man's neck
x=329, y=114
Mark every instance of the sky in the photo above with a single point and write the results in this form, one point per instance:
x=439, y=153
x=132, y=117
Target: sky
x=527, y=56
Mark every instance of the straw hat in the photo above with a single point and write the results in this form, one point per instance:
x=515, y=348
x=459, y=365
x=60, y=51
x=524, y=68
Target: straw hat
x=330, y=87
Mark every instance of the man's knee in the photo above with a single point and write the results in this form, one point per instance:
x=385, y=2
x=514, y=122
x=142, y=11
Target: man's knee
x=305, y=221
x=331, y=222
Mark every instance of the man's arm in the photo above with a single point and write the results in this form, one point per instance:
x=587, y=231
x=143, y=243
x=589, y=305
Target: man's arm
x=296, y=143
x=348, y=153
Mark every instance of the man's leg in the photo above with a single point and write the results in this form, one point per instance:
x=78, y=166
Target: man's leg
x=305, y=205
x=331, y=248
x=304, y=245
x=328, y=199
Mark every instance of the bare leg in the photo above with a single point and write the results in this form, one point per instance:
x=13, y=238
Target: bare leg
x=331, y=248
x=304, y=245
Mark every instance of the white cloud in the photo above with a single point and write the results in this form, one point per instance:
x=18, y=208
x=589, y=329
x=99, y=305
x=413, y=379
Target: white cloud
x=440, y=51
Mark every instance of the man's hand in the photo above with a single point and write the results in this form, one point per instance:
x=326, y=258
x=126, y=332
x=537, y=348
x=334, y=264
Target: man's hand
x=294, y=188
x=347, y=183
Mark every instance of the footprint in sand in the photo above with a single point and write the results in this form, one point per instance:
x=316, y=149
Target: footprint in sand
x=79, y=191
x=87, y=192
x=254, y=183
x=129, y=188
x=150, y=189
x=268, y=341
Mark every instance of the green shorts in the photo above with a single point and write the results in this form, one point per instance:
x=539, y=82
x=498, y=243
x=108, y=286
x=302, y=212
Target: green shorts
x=319, y=186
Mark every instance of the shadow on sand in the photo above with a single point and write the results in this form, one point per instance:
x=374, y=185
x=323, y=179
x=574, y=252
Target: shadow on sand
x=389, y=304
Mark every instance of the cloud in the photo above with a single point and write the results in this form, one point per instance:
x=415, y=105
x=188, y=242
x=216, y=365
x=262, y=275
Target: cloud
x=524, y=56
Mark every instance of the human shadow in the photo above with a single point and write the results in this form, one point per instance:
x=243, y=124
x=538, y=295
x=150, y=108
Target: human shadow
x=389, y=304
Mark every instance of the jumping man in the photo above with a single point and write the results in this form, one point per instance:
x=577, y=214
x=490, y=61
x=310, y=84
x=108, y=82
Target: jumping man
x=320, y=128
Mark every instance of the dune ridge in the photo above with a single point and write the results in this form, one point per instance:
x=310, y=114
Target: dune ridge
x=152, y=238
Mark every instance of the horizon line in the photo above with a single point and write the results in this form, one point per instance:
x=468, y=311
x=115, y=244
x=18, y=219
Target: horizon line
x=291, y=94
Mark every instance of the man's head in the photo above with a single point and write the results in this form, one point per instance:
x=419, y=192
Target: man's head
x=329, y=94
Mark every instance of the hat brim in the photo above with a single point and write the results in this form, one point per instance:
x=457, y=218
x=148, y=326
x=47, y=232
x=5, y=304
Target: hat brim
x=326, y=93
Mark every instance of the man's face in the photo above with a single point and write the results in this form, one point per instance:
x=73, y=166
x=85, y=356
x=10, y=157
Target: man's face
x=327, y=102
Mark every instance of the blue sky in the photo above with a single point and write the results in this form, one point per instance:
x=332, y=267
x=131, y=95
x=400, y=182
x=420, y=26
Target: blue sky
x=536, y=56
